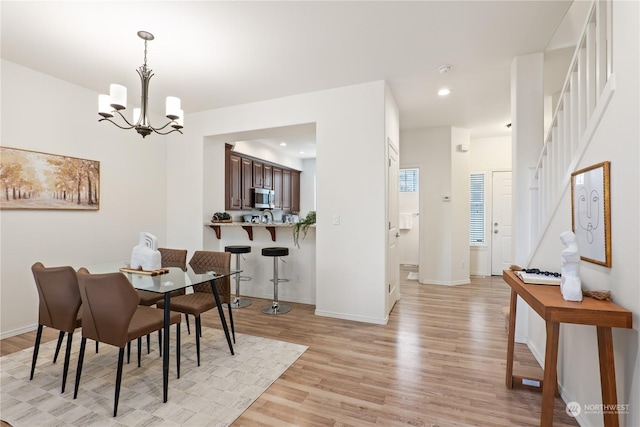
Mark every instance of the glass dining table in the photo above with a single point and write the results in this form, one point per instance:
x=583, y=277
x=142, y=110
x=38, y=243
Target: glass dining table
x=174, y=279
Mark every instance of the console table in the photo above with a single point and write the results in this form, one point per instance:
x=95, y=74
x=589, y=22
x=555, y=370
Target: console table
x=547, y=301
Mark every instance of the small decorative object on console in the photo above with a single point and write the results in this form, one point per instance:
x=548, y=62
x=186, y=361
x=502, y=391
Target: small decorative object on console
x=570, y=284
x=221, y=217
x=146, y=256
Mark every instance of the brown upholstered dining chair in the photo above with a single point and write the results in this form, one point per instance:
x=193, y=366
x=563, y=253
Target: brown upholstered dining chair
x=58, y=308
x=202, y=300
x=111, y=315
x=169, y=258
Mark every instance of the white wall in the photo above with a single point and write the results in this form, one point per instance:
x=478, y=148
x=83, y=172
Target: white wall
x=459, y=207
x=444, y=171
x=615, y=140
x=41, y=113
x=487, y=155
x=351, y=143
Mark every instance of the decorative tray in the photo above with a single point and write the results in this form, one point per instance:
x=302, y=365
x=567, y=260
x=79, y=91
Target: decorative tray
x=147, y=272
x=215, y=221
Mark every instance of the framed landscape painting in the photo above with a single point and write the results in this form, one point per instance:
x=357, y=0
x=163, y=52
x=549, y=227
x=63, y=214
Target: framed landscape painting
x=34, y=180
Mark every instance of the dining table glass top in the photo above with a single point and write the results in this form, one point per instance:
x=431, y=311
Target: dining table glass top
x=175, y=279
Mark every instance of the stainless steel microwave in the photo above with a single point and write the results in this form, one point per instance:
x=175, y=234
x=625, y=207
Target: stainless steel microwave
x=264, y=198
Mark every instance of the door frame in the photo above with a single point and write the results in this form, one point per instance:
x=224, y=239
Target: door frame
x=489, y=218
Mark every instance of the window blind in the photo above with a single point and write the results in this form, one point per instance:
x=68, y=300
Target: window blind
x=408, y=180
x=476, y=214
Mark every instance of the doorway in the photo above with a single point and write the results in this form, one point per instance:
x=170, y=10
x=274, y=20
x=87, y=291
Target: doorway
x=409, y=219
x=501, y=188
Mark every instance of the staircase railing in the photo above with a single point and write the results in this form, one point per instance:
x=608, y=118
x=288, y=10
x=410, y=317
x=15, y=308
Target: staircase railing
x=584, y=98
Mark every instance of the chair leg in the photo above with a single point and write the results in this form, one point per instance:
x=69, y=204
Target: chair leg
x=96, y=347
x=198, y=326
x=83, y=344
x=178, y=349
x=233, y=330
x=118, y=381
x=60, y=337
x=186, y=318
x=67, y=355
x=139, y=350
x=128, y=352
x=36, y=347
x=148, y=343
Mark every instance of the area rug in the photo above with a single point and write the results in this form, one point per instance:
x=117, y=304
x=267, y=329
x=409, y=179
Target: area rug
x=212, y=394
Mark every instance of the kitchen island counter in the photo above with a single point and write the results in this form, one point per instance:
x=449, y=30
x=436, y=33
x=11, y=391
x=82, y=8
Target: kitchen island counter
x=248, y=227
x=298, y=266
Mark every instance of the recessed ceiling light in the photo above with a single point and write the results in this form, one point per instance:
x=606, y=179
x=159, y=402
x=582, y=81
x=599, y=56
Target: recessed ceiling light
x=444, y=91
x=283, y=144
x=444, y=69
x=302, y=152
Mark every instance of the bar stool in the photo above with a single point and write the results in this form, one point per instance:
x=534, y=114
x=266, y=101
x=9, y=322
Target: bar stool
x=238, y=250
x=275, y=307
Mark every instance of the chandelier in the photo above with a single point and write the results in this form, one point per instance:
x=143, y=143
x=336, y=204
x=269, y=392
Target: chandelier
x=116, y=101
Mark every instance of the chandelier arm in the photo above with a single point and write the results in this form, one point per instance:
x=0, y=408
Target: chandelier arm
x=166, y=133
x=131, y=125
x=109, y=120
x=167, y=124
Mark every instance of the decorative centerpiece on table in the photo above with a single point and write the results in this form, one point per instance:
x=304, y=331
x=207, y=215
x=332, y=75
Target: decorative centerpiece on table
x=221, y=217
x=303, y=225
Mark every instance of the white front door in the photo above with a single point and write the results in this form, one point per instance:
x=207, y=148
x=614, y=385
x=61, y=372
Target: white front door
x=500, y=222
x=393, y=263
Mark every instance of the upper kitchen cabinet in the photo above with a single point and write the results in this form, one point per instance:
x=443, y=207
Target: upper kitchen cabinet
x=267, y=180
x=244, y=173
x=295, y=191
x=258, y=174
x=233, y=187
x=277, y=186
x=247, y=183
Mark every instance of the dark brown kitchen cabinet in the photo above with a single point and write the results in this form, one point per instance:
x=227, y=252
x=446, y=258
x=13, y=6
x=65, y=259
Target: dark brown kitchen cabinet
x=286, y=189
x=267, y=179
x=258, y=177
x=247, y=183
x=277, y=186
x=233, y=187
x=295, y=191
x=244, y=173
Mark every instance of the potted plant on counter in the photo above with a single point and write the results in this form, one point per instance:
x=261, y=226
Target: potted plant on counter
x=303, y=226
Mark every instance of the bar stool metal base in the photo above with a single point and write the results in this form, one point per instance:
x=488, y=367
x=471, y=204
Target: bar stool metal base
x=276, y=308
x=240, y=303
x=238, y=250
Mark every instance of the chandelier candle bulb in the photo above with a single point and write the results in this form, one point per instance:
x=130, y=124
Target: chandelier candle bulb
x=173, y=107
x=118, y=94
x=104, y=107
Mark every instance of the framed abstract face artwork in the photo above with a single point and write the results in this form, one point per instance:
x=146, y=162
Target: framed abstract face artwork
x=591, y=213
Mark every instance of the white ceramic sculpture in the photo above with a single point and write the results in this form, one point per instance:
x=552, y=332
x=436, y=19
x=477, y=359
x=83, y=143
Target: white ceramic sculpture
x=146, y=255
x=570, y=284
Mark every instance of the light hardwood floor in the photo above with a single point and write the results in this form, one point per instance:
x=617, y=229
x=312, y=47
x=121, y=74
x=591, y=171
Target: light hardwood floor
x=440, y=361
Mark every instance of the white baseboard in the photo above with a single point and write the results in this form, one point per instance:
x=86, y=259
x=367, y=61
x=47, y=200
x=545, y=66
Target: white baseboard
x=453, y=283
x=14, y=332
x=344, y=316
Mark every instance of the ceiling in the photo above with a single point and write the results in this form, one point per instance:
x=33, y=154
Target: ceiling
x=215, y=54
